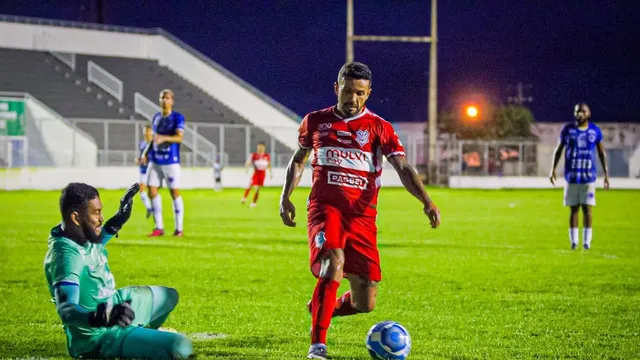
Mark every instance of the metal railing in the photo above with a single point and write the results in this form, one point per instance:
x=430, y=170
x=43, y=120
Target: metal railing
x=498, y=157
x=44, y=128
x=520, y=158
x=118, y=142
x=144, y=107
x=128, y=158
x=68, y=59
x=47, y=42
x=105, y=80
x=14, y=151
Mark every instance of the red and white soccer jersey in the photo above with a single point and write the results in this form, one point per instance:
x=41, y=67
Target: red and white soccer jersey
x=260, y=164
x=347, y=165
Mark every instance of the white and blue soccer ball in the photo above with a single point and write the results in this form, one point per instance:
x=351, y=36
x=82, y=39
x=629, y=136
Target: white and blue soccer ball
x=388, y=340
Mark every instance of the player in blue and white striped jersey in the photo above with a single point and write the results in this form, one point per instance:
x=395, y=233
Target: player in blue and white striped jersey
x=581, y=139
x=164, y=164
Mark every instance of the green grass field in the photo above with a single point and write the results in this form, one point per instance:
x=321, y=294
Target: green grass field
x=496, y=281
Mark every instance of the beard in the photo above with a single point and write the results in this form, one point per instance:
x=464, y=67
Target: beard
x=89, y=232
x=350, y=110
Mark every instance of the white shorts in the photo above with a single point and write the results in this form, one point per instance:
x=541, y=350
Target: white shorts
x=580, y=194
x=169, y=173
x=142, y=178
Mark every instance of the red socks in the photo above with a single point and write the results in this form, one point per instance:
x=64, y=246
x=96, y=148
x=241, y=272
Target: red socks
x=246, y=192
x=343, y=306
x=255, y=197
x=323, y=303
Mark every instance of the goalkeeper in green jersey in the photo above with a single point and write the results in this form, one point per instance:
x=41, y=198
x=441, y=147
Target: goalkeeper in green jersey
x=101, y=321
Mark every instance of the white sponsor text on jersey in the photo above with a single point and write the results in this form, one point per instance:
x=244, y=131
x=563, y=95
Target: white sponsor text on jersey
x=354, y=159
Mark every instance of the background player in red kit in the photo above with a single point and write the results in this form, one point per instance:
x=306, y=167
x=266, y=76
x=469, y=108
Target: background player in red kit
x=349, y=143
x=261, y=161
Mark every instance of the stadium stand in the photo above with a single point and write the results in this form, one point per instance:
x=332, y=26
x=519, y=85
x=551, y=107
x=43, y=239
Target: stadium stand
x=52, y=82
x=148, y=77
x=224, y=113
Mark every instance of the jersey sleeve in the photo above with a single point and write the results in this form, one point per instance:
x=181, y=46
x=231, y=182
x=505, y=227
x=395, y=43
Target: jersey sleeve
x=66, y=266
x=154, y=123
x=563, y=134
x=304, y=135
x=390, y=142
x=180, y=122
x=598, y=135
x=105, y=236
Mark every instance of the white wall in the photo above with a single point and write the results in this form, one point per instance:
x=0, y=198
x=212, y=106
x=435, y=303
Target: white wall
x=515, y=182
x=202, y=178
x=123, y=177
x=85, y=41
x=66, y=145
x=212, y=81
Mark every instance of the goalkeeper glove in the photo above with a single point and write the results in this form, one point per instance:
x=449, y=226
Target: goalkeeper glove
x=121, y=315
x=113, y=225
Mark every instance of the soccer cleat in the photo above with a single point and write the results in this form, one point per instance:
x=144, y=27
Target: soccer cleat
x=253, y=205
x=156, y=233
x=573, y=246
x=317, y=351
x=244, y=200
x=586, y=246
x=178, y=233
x=149, y=213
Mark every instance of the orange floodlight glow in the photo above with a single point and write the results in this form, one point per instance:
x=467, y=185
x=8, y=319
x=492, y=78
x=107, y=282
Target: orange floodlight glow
x=472, y=111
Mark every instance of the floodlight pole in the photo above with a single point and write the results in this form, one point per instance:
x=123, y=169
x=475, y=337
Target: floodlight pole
x=433, y=72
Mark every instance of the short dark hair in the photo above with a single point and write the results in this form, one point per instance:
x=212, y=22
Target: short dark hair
x=75, y=197
x=262, y=143
x=354, y=70
x=148, y=126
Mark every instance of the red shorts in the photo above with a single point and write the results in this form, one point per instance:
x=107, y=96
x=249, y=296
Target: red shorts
x=258, y=178
x=355, y=234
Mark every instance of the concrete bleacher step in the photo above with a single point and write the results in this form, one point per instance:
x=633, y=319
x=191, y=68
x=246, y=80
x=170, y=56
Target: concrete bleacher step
x=43, y=76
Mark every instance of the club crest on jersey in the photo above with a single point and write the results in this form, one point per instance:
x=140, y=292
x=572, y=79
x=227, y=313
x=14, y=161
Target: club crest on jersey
x=324, y=126
x=320, y=239
x=362, y=137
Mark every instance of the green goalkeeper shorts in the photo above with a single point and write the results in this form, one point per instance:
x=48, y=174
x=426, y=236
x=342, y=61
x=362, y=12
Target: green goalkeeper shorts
x=111, y=340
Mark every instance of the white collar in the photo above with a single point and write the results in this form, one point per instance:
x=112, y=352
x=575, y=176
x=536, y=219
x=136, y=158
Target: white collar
x=362, y=113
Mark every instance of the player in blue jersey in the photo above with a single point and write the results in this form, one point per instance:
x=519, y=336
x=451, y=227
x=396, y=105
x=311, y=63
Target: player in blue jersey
x=164, y=164
x=144, y=164
x=581, y=139
x=100, y=320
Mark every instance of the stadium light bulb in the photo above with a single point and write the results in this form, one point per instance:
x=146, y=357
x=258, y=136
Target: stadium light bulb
x=472, y=111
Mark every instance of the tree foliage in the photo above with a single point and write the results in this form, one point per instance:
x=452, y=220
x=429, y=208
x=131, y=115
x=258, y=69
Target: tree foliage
x=499, y=122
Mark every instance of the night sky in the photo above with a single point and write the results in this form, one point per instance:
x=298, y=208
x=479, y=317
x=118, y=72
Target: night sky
x=292, y=50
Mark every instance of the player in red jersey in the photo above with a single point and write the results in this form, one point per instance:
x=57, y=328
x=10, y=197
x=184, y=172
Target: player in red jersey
x=261, y=161
x=349, y=142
